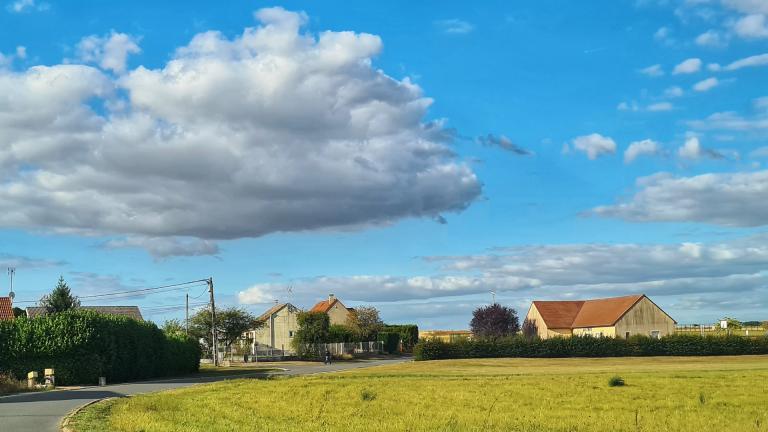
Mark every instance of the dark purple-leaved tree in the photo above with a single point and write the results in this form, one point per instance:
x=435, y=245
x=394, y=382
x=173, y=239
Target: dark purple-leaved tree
x=494, y=321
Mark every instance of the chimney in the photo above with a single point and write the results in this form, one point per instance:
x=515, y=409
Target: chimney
x=331, y=298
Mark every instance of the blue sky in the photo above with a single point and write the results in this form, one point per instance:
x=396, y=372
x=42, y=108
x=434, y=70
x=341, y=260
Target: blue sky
x=413, y=157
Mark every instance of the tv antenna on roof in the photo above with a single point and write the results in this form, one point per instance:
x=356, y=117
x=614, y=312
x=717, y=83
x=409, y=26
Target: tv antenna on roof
x=493, y=295
x=11, y=272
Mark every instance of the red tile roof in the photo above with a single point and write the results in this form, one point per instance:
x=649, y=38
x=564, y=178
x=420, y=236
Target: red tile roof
x=585, y=313
x=6, y=310
x=323, y=306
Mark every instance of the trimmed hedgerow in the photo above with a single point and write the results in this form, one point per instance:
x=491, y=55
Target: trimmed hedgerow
x=587, y=346
x=84, y=345
x=409, y=334
x=391, y=341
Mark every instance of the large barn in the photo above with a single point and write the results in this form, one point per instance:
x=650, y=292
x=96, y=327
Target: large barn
x=611, y=317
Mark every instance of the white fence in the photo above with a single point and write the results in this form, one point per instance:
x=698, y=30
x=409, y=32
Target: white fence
x=349, y=348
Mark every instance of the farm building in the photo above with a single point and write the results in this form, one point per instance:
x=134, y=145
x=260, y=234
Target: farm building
x=129, y=311
x=610, y=317
x=6, y=308
x=337, y=312
x=279, y=327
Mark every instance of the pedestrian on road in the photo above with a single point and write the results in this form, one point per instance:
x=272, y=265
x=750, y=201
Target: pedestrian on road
x=327, y=357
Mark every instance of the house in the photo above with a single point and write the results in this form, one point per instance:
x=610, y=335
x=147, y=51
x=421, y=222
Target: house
x=6, y=308
x=446, y=335
x=128, y=311
x=278, y=329
x=610, y=317
x=337, y=312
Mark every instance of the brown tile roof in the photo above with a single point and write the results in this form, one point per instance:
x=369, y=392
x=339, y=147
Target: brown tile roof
x=6, y=310
x=323, y=306
x=129, y=311
x=585, y=313
x=265, y=316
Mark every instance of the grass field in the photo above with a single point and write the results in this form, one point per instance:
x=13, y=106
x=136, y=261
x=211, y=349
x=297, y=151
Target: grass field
x=661, y=394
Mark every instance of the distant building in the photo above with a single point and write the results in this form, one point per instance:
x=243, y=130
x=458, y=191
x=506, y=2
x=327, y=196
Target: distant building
x=446, y=335
x=128, y=311
x=278, y=329
x=610, y=317
x=337, y=312
x=6, y=308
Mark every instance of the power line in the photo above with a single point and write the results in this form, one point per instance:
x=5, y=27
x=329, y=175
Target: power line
x=182, y=285
x=137, y=292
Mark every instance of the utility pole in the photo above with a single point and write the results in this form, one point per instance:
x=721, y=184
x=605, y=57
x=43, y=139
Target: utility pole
x=214, y=348
x=11, y=294
x=493, y=295
x=186, y=315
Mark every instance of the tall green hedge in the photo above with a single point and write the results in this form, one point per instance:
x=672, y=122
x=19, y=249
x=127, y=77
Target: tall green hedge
x=409, y=334
x=83, y=345
x=587, y=346
x=391, y=341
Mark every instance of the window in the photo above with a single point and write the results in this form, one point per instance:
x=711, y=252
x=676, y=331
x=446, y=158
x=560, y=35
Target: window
x=655, y=334
x=290, y=333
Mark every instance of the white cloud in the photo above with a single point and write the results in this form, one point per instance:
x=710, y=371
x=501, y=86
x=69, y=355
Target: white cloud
x=753, y=26
x=761, y=152
x=20, y=6
x=454, y=26
x=729, y=199
x=274, y=130
x=688, y=66
x=594, y=145
x=661, y=34
x=706, y=84
x=673, y=92
x=729, y=120
x=109, y=52
x=752, y=61
x=636, y=149
x=747, y=6
x=711, y=38
x=660, y=106
x=21, y=52
x=165, y=247
x=692, y=149
x=628, y=106
x=653, y=71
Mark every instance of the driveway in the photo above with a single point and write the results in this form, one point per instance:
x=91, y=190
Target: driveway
x=43, y=411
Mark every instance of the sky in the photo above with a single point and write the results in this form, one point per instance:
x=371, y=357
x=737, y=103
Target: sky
x=413, y=157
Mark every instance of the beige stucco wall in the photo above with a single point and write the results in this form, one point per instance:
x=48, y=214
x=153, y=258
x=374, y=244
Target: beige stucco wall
x=644, y=318
x=338, y=313
x=278, y=330
x=543, y=331
x=595, y=331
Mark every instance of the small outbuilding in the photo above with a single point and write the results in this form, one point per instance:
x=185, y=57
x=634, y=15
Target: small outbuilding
x=609, y=317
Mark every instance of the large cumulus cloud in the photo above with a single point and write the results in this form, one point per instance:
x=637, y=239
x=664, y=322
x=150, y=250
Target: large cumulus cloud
x=272, y=130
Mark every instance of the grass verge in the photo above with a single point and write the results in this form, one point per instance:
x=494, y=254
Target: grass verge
x=665, y=394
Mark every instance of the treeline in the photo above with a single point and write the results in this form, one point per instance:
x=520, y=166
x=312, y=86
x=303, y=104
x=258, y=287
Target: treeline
x=83, y=345
x=587, y=346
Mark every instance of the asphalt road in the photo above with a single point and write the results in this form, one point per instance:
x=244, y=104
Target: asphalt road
x=43, y=411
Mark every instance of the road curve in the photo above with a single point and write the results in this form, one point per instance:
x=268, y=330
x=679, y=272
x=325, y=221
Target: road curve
x=43, y=411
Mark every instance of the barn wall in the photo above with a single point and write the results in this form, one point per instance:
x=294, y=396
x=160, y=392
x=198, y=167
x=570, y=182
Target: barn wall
x=595, y=331
x=643, y=318
x=535, y=316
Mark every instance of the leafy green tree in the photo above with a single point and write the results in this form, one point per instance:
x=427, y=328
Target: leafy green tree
x=313, y=329
x=174, y=327
x=60, y=299
x=231, y=323
x=19, y=312
x=733, y=324
x=365, y=323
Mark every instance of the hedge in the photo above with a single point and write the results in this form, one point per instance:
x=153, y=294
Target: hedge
x=409, y=334
x=83, y=345
x=587, y=346
x=391, y=341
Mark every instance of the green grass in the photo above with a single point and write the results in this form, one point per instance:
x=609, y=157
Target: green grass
x=569, y=395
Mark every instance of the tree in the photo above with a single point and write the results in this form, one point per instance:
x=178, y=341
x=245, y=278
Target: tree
x=231, y=323
x=765, y=325
x=313, y=329
x=174, y=326
x=494, y=321
x=365, y=322
x=733, y=324
x=530, y=329
x=60, y=299
x=19, y=312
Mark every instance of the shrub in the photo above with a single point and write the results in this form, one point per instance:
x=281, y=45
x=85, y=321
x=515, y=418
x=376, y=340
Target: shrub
x=409, y=334
x=84, y=345
x=367, y=395
x=616, y=381
x=587, y=346
x=391, y=341
x=340, y=333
